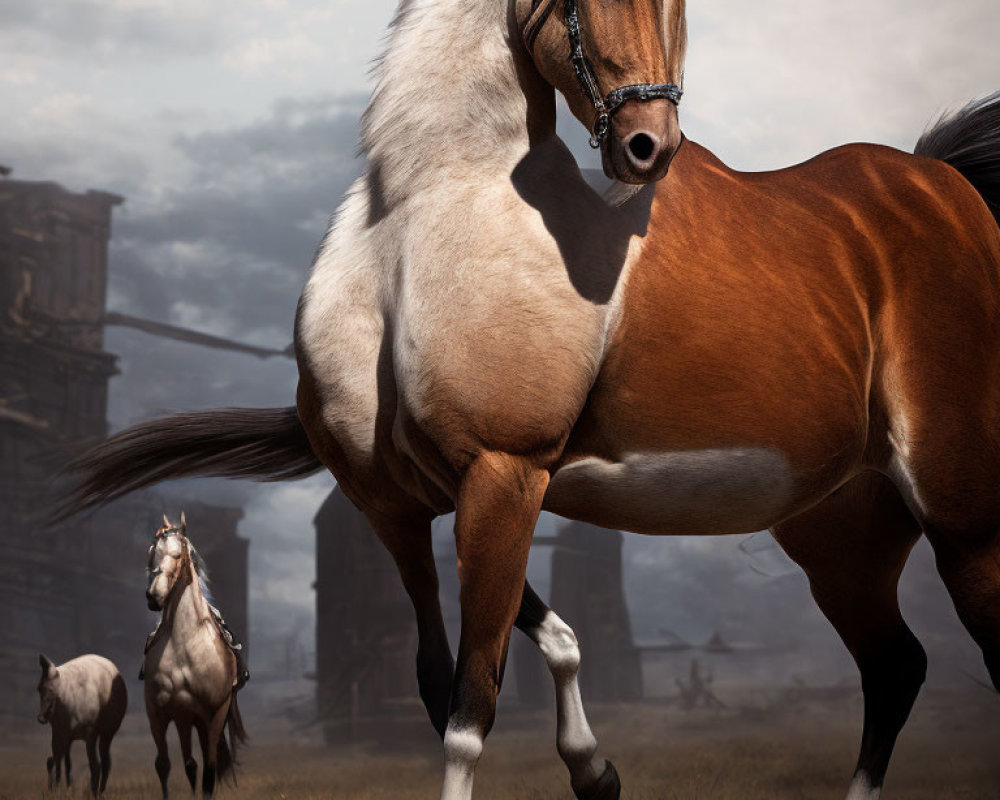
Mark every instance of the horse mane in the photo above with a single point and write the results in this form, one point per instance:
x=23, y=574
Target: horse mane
x=452, y=48
x=201, y=570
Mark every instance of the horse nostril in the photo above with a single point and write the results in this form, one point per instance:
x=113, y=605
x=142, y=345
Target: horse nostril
x=642, y=146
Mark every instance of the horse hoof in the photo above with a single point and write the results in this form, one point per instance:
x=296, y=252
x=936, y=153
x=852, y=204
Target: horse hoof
x=607, y=787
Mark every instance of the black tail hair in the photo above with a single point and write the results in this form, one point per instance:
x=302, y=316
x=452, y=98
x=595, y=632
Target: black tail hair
x=969, y=140
x=266, y=444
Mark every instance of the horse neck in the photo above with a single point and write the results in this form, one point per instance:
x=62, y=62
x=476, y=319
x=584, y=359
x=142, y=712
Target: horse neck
x=187, y=608
x=457, y=98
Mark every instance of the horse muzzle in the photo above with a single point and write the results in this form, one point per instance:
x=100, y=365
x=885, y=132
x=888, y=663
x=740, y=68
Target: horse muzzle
x=642, y=142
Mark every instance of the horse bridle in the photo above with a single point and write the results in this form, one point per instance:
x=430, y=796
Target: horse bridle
x=606, y=105
x=162, y=533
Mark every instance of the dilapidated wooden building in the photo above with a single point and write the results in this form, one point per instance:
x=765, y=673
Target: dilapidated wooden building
x=77, y=587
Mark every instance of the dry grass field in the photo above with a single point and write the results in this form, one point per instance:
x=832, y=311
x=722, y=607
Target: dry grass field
x=948, y=752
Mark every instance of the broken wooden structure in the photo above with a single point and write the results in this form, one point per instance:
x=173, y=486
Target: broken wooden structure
x=78, y=587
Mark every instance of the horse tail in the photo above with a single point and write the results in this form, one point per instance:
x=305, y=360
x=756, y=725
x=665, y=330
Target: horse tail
x=266, y=444
x=226, y=761
x=969, y=140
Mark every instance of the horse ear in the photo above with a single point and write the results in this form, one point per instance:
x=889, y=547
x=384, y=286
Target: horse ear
x=183, y=521
x=166, y=522
x=48, y=668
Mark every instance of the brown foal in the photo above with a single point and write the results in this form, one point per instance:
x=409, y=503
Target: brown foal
x=814, y=350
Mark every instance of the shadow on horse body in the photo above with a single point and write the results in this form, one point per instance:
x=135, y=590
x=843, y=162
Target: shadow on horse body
x=189, y=671
x=813, y=350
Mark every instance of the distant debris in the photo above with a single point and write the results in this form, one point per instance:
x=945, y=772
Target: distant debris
x=5, y=171
x=669, y=642
x=698, y=690
x=716, y=644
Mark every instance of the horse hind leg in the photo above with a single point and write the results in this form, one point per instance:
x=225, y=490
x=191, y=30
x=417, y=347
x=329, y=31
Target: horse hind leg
x=853, y=547
x=190, y=765
x=104, y=750
x=592, y=778
x=970, y=569
x=210, y=743
x=94, y=763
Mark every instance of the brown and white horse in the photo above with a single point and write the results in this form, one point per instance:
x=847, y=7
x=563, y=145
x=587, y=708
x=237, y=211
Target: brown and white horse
x=814, y=350
x=189, y=672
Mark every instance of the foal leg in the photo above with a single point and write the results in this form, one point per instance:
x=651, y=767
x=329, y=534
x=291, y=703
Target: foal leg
x=853, y=547
x=94, y=763
x=498, y=504
x=592, y=778
x=54, y=763
x=410, y=545
x=104, y=748
x=69, y=766
x=190, y=765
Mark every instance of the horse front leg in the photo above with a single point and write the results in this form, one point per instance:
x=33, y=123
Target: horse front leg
x=53, y=766
x=498, y=504
x=409, y=542
x=158, y=729
x=592, y=778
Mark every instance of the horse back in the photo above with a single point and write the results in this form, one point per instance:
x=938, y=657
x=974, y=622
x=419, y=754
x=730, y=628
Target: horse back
x=759, y=317
x=92, y=693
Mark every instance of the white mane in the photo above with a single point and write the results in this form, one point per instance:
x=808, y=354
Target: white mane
x=446, y=98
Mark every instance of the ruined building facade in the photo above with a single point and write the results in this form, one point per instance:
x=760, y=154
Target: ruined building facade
x=77, y=587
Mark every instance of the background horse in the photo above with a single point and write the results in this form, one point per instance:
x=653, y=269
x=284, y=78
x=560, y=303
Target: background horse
x=189, y=671
x=82, y=699
x=814, y=350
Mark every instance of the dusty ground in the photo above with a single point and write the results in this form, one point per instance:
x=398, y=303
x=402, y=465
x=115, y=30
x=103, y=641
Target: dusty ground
x=948, y=752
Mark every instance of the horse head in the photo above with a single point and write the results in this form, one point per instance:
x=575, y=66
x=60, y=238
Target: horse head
x=48, y=689
x=620, y=67
x=169, y=561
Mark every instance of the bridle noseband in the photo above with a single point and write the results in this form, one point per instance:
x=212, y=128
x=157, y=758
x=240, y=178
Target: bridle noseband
x=607, y=105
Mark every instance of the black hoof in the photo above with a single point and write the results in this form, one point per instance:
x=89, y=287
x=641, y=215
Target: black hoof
x=607, y=787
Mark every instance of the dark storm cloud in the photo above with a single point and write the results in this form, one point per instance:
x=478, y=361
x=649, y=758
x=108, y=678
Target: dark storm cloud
x=229, y=250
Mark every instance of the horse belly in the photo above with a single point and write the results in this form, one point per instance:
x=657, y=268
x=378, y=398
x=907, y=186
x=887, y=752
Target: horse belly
x=711, y=491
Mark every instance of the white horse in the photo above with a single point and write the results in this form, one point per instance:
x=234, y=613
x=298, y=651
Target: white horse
x=82, y=699
x=189, y=671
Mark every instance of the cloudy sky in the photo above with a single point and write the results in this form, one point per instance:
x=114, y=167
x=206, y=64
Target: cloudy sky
x=231, y=129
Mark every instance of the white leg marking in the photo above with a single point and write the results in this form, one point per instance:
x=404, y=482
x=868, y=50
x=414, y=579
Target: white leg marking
x=574, y=739
x=462, y=749
x=862, y=789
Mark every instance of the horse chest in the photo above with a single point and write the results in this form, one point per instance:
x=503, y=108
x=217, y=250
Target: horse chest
x=459, y=340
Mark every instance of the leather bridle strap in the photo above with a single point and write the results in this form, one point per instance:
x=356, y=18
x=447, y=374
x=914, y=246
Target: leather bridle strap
x=607, y=105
